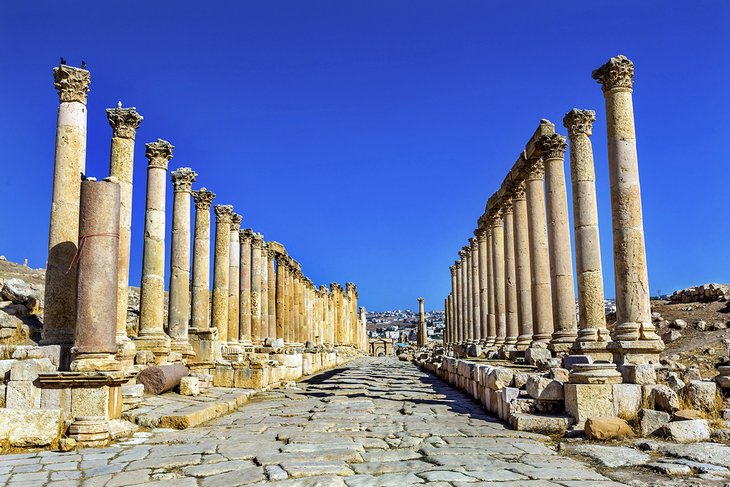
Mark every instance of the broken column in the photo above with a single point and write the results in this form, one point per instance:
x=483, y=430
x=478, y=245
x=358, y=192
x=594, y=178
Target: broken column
x=221, y=263
x=124, y=123
x=593, y=336
x=522, y=265
x=634, y=336
x=151, y=336
x=234, y=262
x=565, y=330
x=69, y=165
x=178, y=312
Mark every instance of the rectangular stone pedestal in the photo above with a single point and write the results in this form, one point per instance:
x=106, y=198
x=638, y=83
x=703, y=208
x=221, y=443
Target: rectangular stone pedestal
x=583, y=401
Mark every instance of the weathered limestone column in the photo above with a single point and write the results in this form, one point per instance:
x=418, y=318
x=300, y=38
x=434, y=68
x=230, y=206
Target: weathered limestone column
x=244, y=279
x=522, y=265
x=542, y=309
x=271, y=272
x=280, y=296
x=510, y=279
x=634, y=336
x=95, y=336
x=500, y=317
x=124, y=123
x=459, y=335
x=234, y=278
x=565, y=329
x=59, y=317
x=453, y=324
x=491, y=314
x=200, y=312
x=481, y=235
x=331, y=314
x=593, y=335
x=151, y=335
x=476, y=311
x=178, y=309
x=363, y=329
x=257, y=244
x=421, y=335
x=468, y=294
x=265, y=292
x=221, y=271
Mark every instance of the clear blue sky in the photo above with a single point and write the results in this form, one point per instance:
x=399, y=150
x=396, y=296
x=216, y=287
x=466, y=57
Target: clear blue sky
x=367, y=135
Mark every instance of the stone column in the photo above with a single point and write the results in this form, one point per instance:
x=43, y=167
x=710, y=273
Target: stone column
x=200, y=312
x=459, y=335
x=476, y=312
x=453, y=322
x=244, y=279
x=500, y=317
x=234, y=278
x=510, y=279
x=280, y=296
x=95, y=336
x=331, y=313
x=593, y=336
x=634, y=336
x=59, y=318
x=561, y=261
x=421, y=335
x=363, y=328
x=273, y=325
x=468, y=294
x=178, y=309
x=221, y=271
x=491, y=314
x=522, y=265
x=124, y=123
x=257, y=244
x=265, y=292
x=542, y=309
x=151, y=335
x=481, y=235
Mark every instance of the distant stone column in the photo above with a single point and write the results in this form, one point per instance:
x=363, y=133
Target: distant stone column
x=459, y=335
x=221, y=271
x=468, y=294
x=500, y=317
x=59, y=318
x=151, y=335
x=265, y=291
x=200, y=313
x=331, y=308
x=178, y=309
x=542, y=309
x=234, y=278
x=510, y=279
x=280, y=296
x=453, y=321
x=244, y=279
x=593, y=336
x=481, y=235
x=124, y=123
x=476, y=299
x=257, y=244
x=565, y=329
x=95, y=338
x=421, y=336
x=273, y=325
x=491, y=314
x=522, y=265
x=634, y=336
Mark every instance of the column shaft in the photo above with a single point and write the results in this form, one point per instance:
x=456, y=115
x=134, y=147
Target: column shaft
x=256, y=248
x=491, y=314
x=200, y=312
x=522, y=266
x=244, y=283
x=476, y=312
x=221, y=270
x=510, y=279
x=500, y=316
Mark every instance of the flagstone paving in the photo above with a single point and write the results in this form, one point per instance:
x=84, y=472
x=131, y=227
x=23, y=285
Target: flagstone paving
x=375, y=421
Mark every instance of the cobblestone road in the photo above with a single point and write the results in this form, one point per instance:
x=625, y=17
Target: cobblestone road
x=373, y=422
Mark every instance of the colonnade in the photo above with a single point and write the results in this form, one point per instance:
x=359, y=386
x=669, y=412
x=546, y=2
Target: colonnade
x=523, y=260
x=260, y=296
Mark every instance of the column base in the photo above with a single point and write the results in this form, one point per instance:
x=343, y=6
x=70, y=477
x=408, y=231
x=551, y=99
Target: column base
x=90, y=431
x=597, y=350
x=184, y=347
x=95, y=362
x=636, y=352
x=523, y=342
x=158, y=344
x=205, y=345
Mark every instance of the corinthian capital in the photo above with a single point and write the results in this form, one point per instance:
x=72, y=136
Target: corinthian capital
x=236, y=220
x=552, y=146
x=257, y=240
x=182, y=179
x=481, y=234
x=245, y=235
x=534, y=169
x=452, y=268
x=518, y=190
x=124, y=121
x=223, y=213
x=72, y=83
x=579, y=122
x=159, y=153
x=618, y=72
x=203, y=199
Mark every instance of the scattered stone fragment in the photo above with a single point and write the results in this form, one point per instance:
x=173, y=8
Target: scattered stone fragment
x=651, y=421
x=605, y=428
x=687, y=431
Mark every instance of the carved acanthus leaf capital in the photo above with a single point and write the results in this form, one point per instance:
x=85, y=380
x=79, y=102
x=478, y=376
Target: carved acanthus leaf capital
x=245, y=235
x=518, y=190
x=552, y=146
x=534, y=169
x=72, y=83
x=236, y=220
x=457, y=264
x=618, y=72
x=257, y=240
x=203, y=199
x=124, y=121
x=159, y=153
x=452, y=268
x=223, y=213
x=579, y=122
x=481, y=234
x=182, y=179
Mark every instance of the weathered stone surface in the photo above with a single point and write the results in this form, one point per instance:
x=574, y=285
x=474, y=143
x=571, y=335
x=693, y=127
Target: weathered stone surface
x=544, y=389
x=29, y=369
x=605, y=428
x=540, y=424
x=686, y=415
x=687, y=431
x=583, y=401
x=31, y=427
x=611, y=456
x=651, y=421
x=701, y=395
x=189, y=386
x=499, y=377
x=664, y=398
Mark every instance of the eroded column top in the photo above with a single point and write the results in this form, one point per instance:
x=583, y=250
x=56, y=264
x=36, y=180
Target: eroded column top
x=236, y=220
x=245, y=235
x=159, y=153
x=124, y=121
x=579, y=122
x=72, y=83
x=552, y=146
x=203, y=198
x=182, y=179
x=223, y=213
x=257, y=240
x=617, y=73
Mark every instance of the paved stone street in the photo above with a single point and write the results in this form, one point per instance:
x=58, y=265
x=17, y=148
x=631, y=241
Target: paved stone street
x=376, y=421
